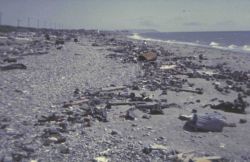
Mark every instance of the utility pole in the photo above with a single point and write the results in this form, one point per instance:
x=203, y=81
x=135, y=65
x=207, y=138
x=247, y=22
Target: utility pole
x=28, y=22
x=45, y=24
x=1, y=14
x=18, y=22
x=38, y=23
x=51, y=25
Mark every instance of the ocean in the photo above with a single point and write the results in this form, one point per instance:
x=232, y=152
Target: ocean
x=228, y=40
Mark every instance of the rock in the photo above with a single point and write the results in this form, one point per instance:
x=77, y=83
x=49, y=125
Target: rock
x=164, y=92
x=9, y=60
x=28, y=149
x=151, y=108
x=194, y=111
x=49, y=118
x=130, y=115
x=7, y=159
x=77, y=102
x=100, y=114
x=146, y=150
x=160, y=138
x=242, y=121
x=201, y=57
x=115, y=132
x=156, y=110
x=52, y=135
x=76, y=40
x=63, y=125
x=76, y=92
x=149, y=56
x=18, y=156
x=47, y=37
x=13, y=67
x=95, y=44
x=63, y=149
x=146, y=116
x=87, y=122
x=59, y=42
x=59, y=47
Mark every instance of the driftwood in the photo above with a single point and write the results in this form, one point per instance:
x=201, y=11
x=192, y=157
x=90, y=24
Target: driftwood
x=126, y=103
x=186, y=90
x=13, y=67
x=9, y=60
x=191, y=91
x=109, y=89
x=73, y=103
x=36, y=53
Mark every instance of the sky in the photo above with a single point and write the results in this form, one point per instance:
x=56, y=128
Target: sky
x=161, y=15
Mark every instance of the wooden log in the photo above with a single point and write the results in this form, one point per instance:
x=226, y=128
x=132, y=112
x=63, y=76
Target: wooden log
x=108, y=89
x=73, y=103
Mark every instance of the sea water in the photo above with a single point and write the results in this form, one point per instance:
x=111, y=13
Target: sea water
x=227, y=40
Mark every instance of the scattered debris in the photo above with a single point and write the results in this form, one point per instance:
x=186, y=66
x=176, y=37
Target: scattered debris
x=159, y=72
x=238, y=106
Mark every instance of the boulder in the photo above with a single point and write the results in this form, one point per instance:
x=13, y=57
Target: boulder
x=149, y=56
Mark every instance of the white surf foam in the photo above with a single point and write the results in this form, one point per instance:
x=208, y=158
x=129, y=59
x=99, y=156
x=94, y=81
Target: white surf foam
x=246, y=48
x=214, y=44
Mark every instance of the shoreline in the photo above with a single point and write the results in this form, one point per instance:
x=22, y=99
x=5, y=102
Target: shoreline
x=213, y=45
x=94, y=98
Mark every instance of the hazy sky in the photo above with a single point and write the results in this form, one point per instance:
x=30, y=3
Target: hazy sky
x=162, y=15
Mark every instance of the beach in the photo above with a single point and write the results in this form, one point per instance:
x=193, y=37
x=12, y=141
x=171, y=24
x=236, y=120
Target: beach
x=98, y=97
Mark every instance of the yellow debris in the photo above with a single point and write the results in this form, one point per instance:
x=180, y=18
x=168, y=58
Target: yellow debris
x=101, y=159
x=167, y=67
